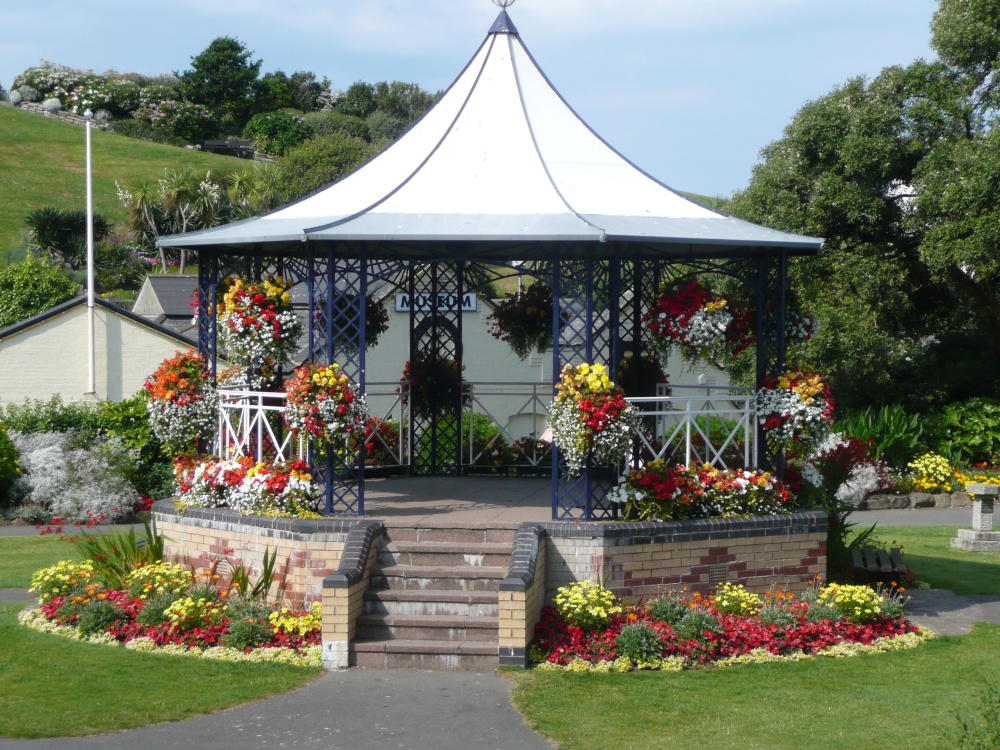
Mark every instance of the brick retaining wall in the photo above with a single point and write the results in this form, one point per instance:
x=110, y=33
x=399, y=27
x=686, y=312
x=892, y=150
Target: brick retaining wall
x=308, y=550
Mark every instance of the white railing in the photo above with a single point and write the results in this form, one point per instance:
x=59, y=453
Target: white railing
x=250, y=424
x=518, y=413
x=711, y=424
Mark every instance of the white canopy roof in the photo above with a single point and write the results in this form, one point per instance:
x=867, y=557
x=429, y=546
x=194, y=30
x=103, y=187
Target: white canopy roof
x=500, y=158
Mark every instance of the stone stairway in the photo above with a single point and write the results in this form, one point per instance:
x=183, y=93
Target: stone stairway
x=433, y=601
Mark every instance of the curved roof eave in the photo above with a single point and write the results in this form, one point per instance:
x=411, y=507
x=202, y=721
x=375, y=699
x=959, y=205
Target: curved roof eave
x=500, y=158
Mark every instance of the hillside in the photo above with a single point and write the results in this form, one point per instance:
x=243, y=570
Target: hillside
x=42, y=163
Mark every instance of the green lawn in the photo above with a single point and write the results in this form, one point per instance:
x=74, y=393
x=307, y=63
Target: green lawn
x=926, y=550
x=53, y=687
x=898, y=700
x=42, y=163
x=20, y=556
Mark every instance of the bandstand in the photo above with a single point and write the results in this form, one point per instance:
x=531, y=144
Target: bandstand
x=499, y=177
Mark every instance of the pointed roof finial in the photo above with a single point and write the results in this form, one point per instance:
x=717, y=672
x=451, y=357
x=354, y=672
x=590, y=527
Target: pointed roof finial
x=503, y=24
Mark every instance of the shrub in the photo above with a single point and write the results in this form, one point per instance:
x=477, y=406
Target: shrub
x=276, y=132
x=137, y=129
x=319, y=161
x=150, y=96
x=337, y=123
x=890, y=433
x=856, y=604
x=966, y=432
x=734, y=599
x=52, y=105
x=158, y=579
x=984, y=731
x=98, y=616
x=121, y=96
x=249, y=626
x=30, y=287
x=60, y=579
x=932, y=473
x=154, y=611
x=15, y=98
x=30, y=94
x=587, y=605
x=191, y=122
x=383, y=126
x=639, y=643
x=772, y=614
x=77, y=483
x=668, y=609
x=695, y=624
x=10, y=468
x=190, y=612
x=819, y=612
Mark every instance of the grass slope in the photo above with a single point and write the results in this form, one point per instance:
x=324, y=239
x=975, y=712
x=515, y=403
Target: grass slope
x=42, y=163
x=21, y=556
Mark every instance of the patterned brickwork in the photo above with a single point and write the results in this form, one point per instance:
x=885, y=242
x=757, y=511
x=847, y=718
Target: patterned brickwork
x=305, y=557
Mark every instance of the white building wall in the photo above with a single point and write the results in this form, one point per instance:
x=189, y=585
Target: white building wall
x=488, y=360
x=51, y=358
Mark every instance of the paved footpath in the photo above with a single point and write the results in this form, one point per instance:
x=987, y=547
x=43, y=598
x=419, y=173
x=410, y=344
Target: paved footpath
x=350, y=710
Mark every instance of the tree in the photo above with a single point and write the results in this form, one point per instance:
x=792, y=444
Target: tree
x=900, y=175
x=407, y=101
x=320, y=161
x=275, y=133
x=359, y=100
x=30, y=287
x=223, y=78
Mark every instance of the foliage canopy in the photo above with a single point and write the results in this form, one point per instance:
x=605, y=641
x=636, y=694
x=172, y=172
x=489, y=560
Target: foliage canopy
x=899, y=174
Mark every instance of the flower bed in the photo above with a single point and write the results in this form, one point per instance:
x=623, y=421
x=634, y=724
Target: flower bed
x=261, y=488
x=732, y=626
x=164, y=608
x=660, y=492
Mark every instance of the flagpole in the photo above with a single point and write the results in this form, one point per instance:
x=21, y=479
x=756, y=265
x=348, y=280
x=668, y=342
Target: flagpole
x=91, y=343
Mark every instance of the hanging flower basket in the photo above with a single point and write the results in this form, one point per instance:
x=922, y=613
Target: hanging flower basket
x=257, y=324
x=346, y=335
x=183, y=405
x=435, y=384
x=324, y=404
x=795, y=410
x=524, y=320
x=590, y=418
x=690, y=316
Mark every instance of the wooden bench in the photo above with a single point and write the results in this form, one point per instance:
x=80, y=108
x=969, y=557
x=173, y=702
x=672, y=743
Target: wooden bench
x=879, y=562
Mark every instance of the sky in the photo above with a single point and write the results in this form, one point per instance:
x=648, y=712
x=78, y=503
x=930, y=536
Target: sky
x=690, y=90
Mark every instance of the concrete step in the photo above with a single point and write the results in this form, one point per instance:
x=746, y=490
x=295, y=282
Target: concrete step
x=445, y=554
x=428, y=628
x=452, y=533
x=436, y=578
x=400, y=654
x=429, y=602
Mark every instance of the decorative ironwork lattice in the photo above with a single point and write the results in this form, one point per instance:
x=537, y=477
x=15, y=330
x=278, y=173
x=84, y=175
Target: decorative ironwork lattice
x=435, y=292
x=586, y=296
